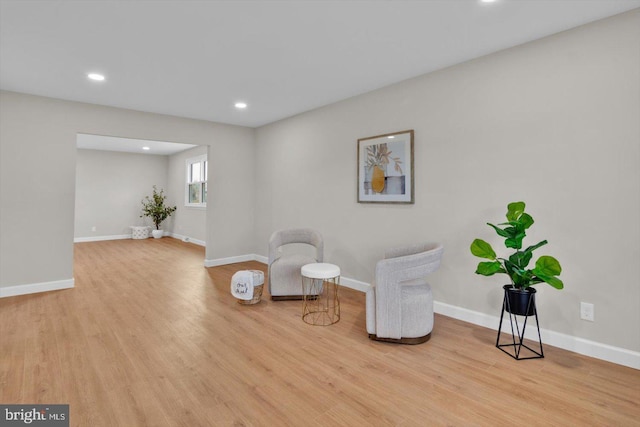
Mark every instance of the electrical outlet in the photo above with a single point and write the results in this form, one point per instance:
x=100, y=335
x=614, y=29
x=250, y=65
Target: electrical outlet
x=587, y=311
x=93, y=228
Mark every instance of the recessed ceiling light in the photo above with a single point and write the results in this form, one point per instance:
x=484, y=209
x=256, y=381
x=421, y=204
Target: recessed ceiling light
x=146, y=148
x=488, y=1
x=391, y=137
x=95, y=76
x=241, y=105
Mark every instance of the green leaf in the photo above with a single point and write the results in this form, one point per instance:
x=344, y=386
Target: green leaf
x=489, y=268
x=514, y=210
x=521, y=259
x=500, y=231
x=482, y=249
x=552, y=280
x=513, y=231
x=515, y=242
x=536, y=246
x=526, y=220
x=511, y=269
x=548, y=266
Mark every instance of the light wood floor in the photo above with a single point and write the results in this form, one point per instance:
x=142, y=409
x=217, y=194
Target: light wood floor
x=150, y=337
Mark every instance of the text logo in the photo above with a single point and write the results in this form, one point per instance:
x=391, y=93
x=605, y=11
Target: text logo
x=35, y=415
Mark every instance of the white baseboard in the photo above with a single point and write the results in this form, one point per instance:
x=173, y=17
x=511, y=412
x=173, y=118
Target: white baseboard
x=354, y=284
x=262, y=259
x=187, y=239
x=466, y=315
x=128, y=236
x=32, y=288
x=620, y=356
x=230, y=260
x=101, y=238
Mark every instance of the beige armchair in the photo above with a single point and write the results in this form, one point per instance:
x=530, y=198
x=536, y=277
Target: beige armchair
x=400, y=304
x=285, y=279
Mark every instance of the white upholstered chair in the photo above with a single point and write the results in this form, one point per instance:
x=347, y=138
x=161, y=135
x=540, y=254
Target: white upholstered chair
x=285, y=279
x=400, y=304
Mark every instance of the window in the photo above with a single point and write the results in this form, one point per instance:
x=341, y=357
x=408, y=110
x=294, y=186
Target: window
x=196, y=188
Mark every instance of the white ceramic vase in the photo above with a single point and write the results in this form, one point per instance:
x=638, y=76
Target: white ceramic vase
x=157, y=233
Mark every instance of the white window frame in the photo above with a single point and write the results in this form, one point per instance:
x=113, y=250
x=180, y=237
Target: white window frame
x=202, y=183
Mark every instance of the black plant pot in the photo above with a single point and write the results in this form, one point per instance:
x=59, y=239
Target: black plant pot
x=520, y=301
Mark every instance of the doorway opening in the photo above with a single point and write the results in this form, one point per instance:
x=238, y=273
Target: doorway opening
x=114, y=175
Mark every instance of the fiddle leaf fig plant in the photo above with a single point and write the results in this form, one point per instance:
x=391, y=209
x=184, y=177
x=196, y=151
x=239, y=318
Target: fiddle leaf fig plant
x=546, y=269
x=154, y=207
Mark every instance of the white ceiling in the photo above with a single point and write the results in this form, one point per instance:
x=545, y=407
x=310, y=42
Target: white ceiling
x=197, y=58
x=129, y=145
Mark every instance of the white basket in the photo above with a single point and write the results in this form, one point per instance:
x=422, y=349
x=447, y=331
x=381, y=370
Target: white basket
x=139, y=232
x=246, y=286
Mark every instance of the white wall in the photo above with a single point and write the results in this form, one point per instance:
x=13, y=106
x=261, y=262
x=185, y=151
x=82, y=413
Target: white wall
x=188, y=221
x=38, y=134
x=554, y=123
x=109, y=188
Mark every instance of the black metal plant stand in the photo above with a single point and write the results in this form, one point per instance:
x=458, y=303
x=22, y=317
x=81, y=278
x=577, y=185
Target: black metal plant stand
x=517, y=335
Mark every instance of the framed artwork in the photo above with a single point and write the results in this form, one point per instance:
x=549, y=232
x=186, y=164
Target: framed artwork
x=385, y=168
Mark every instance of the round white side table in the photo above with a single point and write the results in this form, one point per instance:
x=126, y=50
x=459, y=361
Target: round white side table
x=320, y=305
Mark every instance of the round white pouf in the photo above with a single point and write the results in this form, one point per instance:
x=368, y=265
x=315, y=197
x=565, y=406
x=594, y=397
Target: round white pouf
x=320, y=305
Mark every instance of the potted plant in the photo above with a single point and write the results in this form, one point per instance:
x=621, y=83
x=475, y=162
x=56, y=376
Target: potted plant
x=154, y=208
x=519, y=295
